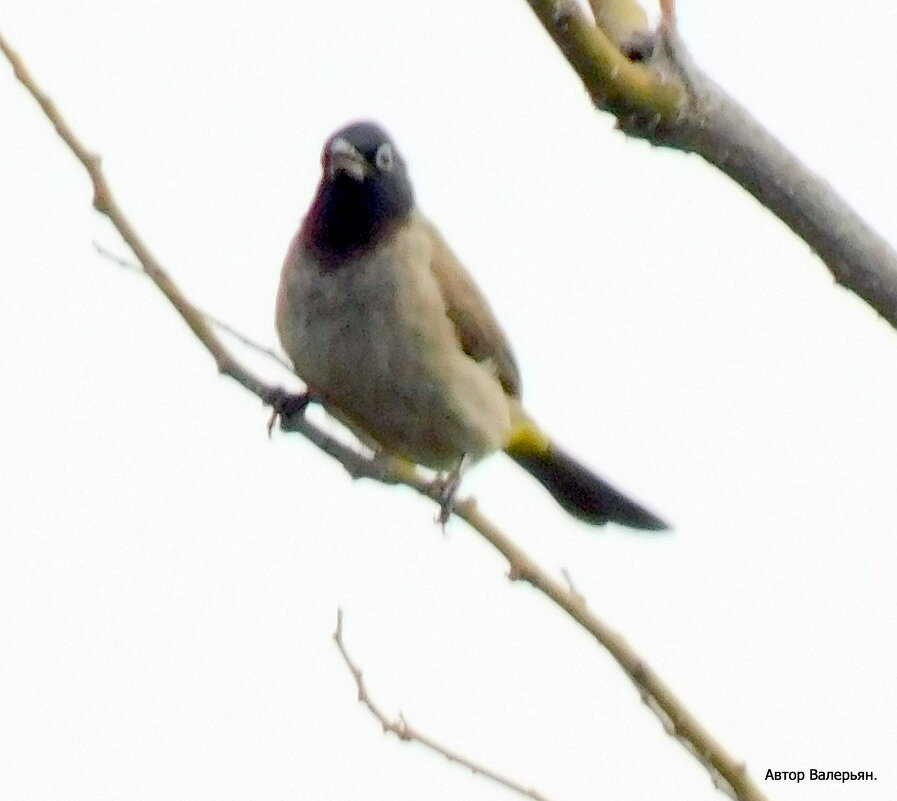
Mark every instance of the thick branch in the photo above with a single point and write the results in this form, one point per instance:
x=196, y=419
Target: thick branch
x=725, y=134
x=670, y=102
x=726, y=772
x=614, y=82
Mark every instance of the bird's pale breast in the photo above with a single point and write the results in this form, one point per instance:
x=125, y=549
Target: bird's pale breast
x=373, y=338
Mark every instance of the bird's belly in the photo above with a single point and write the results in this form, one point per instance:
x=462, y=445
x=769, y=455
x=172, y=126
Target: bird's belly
x=407, y=386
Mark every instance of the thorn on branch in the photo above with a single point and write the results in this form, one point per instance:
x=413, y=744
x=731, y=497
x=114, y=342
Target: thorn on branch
x=100, y=190
x=571, y=587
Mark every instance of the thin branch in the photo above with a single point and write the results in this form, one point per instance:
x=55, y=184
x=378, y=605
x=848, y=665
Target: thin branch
x=130, y=266
x=405, y=732
x=667, y=100
x=217, y=322
x=228, y=329
x=104, y=202
x=668, y=11
x=725, y=771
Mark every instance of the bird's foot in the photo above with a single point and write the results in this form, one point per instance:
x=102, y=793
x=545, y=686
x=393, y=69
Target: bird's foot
x=285, y=406
x=446, y=487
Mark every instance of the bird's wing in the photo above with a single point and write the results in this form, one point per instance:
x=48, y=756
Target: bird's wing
x=477, y=329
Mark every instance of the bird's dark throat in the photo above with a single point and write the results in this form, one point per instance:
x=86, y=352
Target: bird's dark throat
x=348, y=216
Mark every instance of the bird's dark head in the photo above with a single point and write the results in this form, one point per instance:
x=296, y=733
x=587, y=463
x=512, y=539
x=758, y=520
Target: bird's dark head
x=363, y=194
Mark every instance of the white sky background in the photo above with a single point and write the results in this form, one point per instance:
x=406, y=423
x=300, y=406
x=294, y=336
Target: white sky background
x=169, y=578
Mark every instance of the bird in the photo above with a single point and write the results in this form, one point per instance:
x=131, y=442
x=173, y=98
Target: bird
x=391, y=334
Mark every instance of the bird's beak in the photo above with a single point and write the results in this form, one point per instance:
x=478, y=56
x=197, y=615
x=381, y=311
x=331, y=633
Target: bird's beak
x=344, y=157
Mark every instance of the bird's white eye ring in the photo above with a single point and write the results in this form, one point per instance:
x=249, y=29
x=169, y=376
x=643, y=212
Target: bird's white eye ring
x=385, y=158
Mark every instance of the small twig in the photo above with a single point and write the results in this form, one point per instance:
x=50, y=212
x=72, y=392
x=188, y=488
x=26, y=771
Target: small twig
x=668, y=12
x=218, y=323
x=249, y=343
x=116, y=259
x=405, y=732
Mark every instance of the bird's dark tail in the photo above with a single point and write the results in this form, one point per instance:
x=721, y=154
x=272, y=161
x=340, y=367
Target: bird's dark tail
x=576, y=488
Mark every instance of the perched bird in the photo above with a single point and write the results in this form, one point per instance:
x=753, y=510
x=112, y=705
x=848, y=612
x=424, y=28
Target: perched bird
x=390, y=333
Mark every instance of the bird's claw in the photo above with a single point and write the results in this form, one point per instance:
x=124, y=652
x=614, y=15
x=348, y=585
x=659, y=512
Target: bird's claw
x=285, y=405
x=446, y=488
